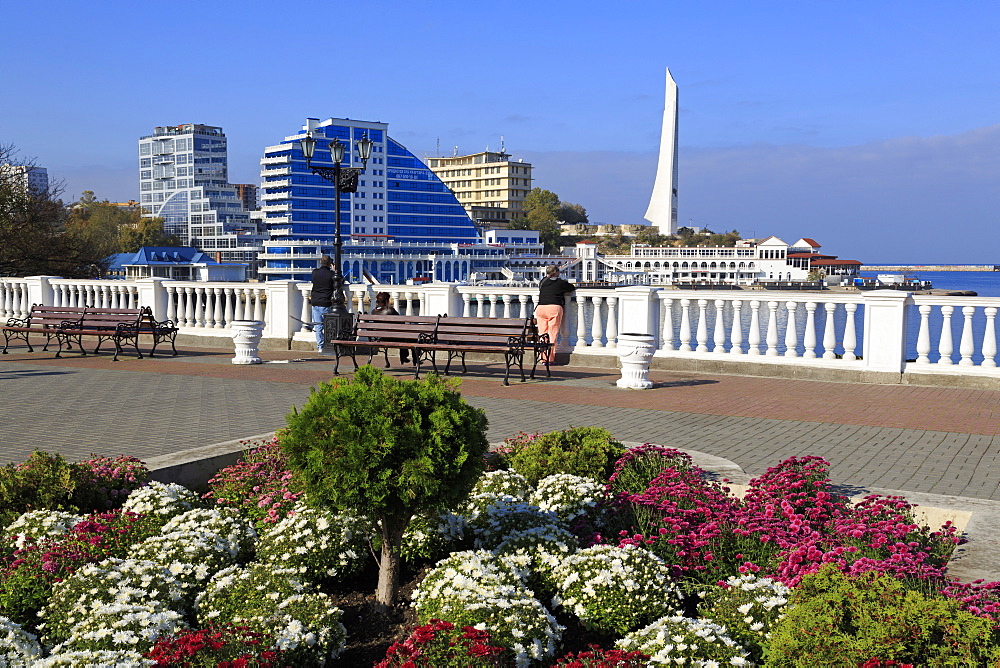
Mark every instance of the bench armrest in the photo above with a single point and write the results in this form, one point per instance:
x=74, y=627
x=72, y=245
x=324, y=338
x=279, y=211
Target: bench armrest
x=18, y=322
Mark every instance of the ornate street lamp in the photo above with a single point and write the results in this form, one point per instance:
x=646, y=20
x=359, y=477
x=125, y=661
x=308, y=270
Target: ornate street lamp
x=337, y=323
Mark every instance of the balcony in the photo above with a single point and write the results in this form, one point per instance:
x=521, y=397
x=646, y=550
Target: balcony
x=279, y=160
x=277, y=171
x=276, y=207
x=265, y=197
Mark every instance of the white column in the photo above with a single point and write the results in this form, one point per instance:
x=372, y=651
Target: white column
x=772, y=329
x=685, y=333
x=967, y=346
x=753, y=336
x=924, y=335
x=209, y=308
x=220, y=312
x=810, y=334
x=612, y=327
x=482, y=310
x=719, y=337
x=189, y=307
x=171, y=304
x=850, y=332
x=597, y=324
x=581, y=322
x=702, y=332
x=667, y=337
x=884, y=347
x=945, y=347
x=791, y=331
x=230, y=305
x=829, y=332
x=199, y=307
x=736, y=332
x=990, y=337
x=258, y=305
x=507, y=299
x=466, y=305
x=241, y=297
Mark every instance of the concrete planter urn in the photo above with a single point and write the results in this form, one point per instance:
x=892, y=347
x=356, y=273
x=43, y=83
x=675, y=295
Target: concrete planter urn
x=635, y=351
x=246, y=338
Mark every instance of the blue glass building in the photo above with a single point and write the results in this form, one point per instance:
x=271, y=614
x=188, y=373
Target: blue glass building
x=399, y=200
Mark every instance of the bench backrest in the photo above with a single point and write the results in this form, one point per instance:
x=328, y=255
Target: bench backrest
x=110, y=318
x=54, y=316
x=394, y=327
x=481, y=331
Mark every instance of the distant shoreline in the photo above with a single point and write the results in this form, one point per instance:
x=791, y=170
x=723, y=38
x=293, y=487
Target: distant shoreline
x=928, y=267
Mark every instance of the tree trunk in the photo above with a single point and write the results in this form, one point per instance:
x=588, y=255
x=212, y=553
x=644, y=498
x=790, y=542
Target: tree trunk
x=392, y=529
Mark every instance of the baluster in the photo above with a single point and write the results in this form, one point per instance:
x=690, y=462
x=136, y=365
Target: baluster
x=597, y=324
x=719, y=335
x=772, y=329
x=667, y=337
x=791, y=331
x=466, y=305
x=494, y=305
x=229, y=307
x=924, y=335
x=410, y=298
x=6, y=300
x=526, y=306
x=736, y=332
x=990, y=337
x=810, y=334
x=106, y=296
x=685, y=333
x=945, y=347
x=506, y=306
x=199, y=306
x=480, y=306
x=240, y=310
x=967, y=345
x=209, y=308
x=850, y=332
x=171, y=304
x=612, y=327
x=753, y=336
x=702, y=331
x=214, y=295
x=258, y=304
x=581, y=322
x=305, y=315
x=189, y=307
x=829, y=332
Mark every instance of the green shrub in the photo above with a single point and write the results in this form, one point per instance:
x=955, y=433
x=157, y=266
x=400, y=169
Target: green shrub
x=42, y=482
x=589, y=452
x=387, y=449
x=834, y=619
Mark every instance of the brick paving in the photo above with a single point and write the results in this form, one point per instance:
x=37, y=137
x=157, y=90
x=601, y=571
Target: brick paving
x=934, y=440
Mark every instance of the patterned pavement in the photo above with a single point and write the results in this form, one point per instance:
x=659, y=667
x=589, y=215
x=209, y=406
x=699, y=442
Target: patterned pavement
x=935, y=440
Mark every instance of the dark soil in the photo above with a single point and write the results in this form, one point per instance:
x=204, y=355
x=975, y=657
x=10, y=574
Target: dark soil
x=371, y=629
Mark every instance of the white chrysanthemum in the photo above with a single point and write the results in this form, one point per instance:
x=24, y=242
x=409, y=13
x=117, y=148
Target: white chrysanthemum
x=615, y=589
x=432, y=537
x=568, y=496
x=495, y=519
x=748, y=605
x=191, y=556
x=120, y=581
x=123, y=626
x=161, y=500
x=480, y=589
x=502, y=483
x=316, y=542
x=36, y=525
x=92, y=659
x=17, y=646
x=684, y=641
x=223, y=521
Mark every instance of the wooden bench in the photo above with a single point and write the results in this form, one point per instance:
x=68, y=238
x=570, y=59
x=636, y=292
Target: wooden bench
x=425, y=336
x=45, y=320
x=69, y=324
x=511, y=337
x=373, y=333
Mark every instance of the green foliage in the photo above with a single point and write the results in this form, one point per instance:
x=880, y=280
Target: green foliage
x=589, y=452
x=838, y=620
x=387, y=449
x=42, y=482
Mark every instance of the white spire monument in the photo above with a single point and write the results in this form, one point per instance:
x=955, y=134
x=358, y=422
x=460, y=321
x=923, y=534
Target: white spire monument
x=662, y=210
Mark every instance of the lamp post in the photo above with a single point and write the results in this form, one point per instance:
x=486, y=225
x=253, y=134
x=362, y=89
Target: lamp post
x=337, y=323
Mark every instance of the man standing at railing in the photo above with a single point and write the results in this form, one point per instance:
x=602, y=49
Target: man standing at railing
x=321, y=297
x=552, y=292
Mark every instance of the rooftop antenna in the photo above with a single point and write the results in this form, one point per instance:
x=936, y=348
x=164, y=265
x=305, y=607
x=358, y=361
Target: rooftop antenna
x=454, y=153
x=501, y=144
x=439, y=146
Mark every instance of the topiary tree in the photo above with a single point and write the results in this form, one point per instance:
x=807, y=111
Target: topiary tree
x=386, y=448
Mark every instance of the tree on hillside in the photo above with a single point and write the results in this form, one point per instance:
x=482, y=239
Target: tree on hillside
x=572, y=213
x=541, y=206
x=110, y=229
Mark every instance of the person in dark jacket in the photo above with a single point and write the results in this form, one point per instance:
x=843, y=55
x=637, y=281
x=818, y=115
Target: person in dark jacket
x=321, y=297
x=383, y=307
x=552, y=292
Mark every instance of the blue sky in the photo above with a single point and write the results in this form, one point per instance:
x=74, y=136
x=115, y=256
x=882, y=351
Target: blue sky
x=873, y=127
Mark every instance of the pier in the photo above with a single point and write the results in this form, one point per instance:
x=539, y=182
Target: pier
x=910, y=268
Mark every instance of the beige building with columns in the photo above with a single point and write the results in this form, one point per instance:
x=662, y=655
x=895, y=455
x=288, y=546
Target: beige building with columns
x=489, y=185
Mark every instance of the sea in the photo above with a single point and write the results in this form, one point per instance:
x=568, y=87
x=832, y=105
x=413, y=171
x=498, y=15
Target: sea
x=983, y=283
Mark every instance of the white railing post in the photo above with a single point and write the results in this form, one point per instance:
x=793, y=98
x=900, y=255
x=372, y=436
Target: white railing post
x=719, y=333
x=829, y=332
x=772, y=329
x=990, y=337
x=702, y=332
x=40, y=291
x=945, y=346
x=284, y=304
x=685, y=333
x=612, y=330
x=850, y=332
x=753, y=336
x=581, y=322
x=884, y=345
x=596, y=324
x=736, y=332
x=444, y=299
x=791, y=333
x=924, y=335
x=810, y=335
x=153, y=293
x=667, y=336
x=967, y=346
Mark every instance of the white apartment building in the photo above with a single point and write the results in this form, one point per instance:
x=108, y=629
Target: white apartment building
x=34, y=179
x=184, y=179
x=489, y=185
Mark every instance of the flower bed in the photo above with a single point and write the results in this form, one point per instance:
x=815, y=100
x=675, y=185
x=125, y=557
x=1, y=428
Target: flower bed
x=653, y=564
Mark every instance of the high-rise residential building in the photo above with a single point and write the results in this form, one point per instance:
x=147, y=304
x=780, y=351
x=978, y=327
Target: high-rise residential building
x=35, y=179
x=489, y=185
x=183, y=178
x=399, y=200
x=247, y=192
